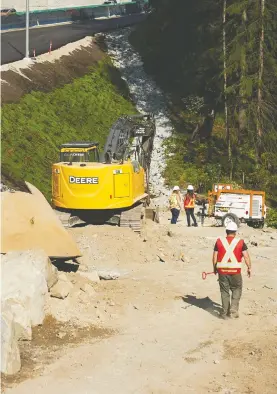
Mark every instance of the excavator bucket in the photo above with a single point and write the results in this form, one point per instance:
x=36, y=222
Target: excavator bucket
x=28, y=222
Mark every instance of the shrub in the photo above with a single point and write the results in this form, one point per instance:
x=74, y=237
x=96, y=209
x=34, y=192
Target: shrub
x=271, y=219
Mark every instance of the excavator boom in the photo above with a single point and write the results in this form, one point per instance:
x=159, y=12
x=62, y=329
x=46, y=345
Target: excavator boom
x=141, y=127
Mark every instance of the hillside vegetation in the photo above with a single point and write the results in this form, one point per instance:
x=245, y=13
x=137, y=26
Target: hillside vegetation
x=33, y=128
x=220, y=77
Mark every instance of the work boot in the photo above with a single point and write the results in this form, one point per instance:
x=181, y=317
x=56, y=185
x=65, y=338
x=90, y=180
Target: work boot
x=223, y=316
x=234, y=315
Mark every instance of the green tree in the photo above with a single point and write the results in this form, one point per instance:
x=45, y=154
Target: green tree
x=224, y=53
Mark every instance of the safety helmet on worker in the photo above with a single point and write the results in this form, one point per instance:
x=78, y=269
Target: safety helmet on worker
x=232, y=226
x=176, y=188
x=190, y=188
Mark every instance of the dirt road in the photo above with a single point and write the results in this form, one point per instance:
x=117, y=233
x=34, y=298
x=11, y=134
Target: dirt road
x=164, y=334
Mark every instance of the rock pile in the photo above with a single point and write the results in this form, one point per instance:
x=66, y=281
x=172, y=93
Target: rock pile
x=26, y=278
x=62, y=288
x=30, y=284
x=10, y=356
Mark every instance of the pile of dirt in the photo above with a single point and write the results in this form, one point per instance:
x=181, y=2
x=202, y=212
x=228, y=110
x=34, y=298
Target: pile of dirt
x=29, y=223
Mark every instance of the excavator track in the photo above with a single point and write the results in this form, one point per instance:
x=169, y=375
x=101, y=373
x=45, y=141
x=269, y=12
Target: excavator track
x=67, y=219
x=133, y=218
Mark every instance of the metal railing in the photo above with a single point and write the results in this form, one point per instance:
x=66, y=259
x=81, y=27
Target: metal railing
x=72, y=14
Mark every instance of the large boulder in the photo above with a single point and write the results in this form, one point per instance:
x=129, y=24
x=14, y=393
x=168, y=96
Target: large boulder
x=92, y=276
x=43, y=263
x=24, y=279
x=10, y=355
x=61, y=289
x=21, y=317
x=108, y=275
x=51, y=274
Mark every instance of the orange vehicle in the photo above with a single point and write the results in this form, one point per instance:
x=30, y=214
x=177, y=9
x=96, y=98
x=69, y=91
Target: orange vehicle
x=237, y=205
x=214, y=194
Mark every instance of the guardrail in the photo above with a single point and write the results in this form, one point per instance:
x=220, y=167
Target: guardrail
x=72, y=14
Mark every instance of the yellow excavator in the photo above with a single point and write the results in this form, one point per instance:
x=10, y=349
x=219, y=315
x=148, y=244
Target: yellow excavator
x=110, y=187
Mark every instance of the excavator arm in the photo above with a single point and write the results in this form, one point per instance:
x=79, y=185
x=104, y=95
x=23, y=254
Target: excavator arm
x=131, y=135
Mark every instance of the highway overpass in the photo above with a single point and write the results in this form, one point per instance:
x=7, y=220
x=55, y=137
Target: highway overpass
x=20, y=5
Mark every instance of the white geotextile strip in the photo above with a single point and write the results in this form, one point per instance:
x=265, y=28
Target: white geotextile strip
x=147, y=97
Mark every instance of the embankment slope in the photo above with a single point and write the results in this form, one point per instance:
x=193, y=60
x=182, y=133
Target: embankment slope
x=76, y=96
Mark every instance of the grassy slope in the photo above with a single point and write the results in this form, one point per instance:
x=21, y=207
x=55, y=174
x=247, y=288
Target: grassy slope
x=33, y=129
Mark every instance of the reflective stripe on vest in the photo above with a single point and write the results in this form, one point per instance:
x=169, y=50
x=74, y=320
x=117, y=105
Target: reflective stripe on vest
x=229, y=259
x=173, y=201
x=189, y=203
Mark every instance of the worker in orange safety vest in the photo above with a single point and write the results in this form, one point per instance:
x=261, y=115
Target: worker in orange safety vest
x=229, y=252
x=189, y=205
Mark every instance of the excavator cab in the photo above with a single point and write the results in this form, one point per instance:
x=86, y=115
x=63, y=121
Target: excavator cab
x=78, y=152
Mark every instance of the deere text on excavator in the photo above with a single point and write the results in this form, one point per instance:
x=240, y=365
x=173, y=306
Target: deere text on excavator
x=111, y=186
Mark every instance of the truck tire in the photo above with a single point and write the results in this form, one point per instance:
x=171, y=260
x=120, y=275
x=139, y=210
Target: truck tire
x=230, y=217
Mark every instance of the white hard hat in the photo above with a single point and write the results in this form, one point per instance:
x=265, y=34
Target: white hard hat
x=190, y=187
x=176, y=188
x=232, y=226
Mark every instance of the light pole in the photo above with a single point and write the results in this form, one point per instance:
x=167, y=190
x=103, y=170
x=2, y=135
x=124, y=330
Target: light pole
x=27, y=30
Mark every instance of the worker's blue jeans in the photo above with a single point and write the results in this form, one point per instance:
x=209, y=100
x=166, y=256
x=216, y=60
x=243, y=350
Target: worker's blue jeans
x=190, y=213
x=175, y=214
